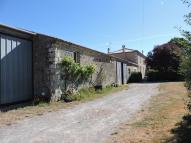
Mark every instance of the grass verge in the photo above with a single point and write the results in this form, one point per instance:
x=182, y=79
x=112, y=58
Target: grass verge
x=154, y=122
x=28, y=111
x=90, y=94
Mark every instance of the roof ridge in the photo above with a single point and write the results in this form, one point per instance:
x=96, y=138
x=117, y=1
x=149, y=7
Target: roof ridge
x=17, y=28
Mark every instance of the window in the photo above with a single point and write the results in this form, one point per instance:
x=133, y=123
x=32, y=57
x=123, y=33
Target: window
x=77, y=57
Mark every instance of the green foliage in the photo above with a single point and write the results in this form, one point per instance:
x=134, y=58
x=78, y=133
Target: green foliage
x=186, y=70
x=186, y=58
x=135, y=77
x=164, y=61
x=73, y=74
x=164, y=58
x=91, y=93
x=183, y=43
x=188, y=16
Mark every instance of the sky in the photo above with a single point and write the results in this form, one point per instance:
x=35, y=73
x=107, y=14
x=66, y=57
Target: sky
x=99, y=24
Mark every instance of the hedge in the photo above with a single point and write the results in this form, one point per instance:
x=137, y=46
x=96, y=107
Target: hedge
x=135, y=77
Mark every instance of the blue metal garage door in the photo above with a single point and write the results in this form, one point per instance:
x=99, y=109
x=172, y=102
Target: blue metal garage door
x=16, y=69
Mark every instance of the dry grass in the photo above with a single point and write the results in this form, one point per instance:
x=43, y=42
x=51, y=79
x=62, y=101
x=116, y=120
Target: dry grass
x=153, y=123
x=12, y=116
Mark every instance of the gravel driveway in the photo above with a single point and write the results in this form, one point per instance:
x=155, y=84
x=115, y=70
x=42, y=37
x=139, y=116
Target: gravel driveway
x=91, y=122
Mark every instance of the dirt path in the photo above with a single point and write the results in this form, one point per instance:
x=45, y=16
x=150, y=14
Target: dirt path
x=91, y=122
x=160, y=120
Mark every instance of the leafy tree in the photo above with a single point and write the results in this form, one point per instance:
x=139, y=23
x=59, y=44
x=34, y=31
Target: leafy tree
x=165, y=58
x=181, y=42
x=73, y=74
x=186, y=60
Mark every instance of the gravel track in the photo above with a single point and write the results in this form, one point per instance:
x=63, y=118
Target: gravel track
x=91, y=122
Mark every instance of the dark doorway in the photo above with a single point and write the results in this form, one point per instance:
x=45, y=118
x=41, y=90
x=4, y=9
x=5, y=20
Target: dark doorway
x=122, y=73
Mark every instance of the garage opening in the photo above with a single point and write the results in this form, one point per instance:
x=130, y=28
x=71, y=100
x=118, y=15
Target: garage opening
x=122, y=73
x=16, y=69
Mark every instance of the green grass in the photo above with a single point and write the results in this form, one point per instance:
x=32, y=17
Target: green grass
x=42, y=104
x=91, y=93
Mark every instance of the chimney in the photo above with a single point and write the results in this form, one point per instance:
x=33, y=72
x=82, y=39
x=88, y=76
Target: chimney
x=108, y=50
x=142, y=52
x=123, y=48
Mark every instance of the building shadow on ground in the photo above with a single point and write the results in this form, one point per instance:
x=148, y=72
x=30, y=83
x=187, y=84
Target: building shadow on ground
x=182, y=131
x=6, y=108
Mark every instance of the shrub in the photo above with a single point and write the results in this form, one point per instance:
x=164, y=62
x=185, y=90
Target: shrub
x=73, y=74
x=186, y=70
x=86, y=93
x=135, y=77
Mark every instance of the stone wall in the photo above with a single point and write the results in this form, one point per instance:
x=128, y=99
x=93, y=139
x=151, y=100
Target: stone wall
x=48, y=52
x=46, y=74
x=41, y=70
x=136, y=58
x=105, y=71
x=141, y=65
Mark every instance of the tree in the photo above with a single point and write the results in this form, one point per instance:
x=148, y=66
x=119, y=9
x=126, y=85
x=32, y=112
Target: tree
x=163, y=63
x=164, y=58
x=181, y=42
x=186, y=60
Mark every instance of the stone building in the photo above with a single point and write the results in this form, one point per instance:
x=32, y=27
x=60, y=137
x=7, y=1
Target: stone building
x=29, y=65
x=133, y=56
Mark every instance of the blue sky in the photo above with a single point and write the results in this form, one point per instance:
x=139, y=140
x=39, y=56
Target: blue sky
x=99, y=24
